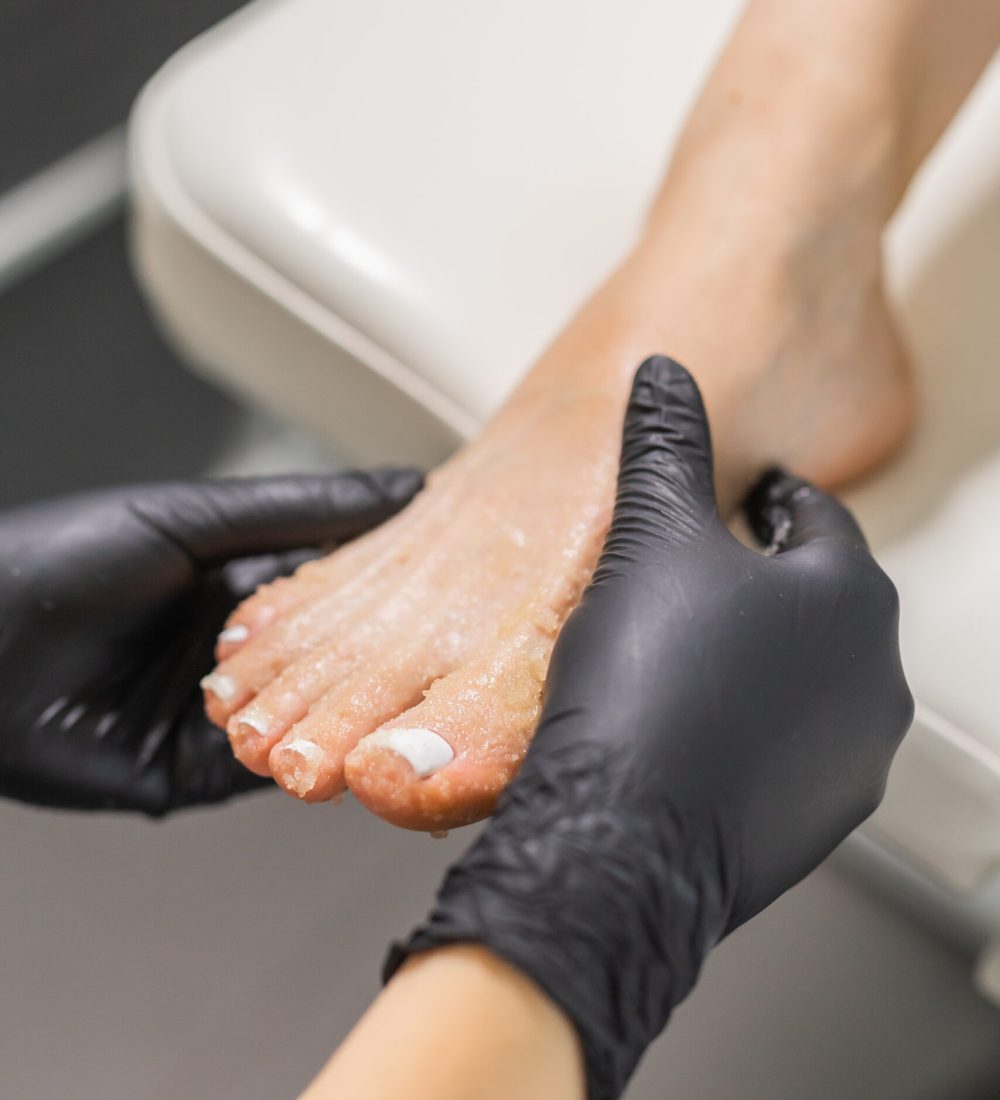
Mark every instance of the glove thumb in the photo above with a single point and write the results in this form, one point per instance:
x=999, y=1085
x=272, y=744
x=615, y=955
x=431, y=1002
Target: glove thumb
x=665, y=486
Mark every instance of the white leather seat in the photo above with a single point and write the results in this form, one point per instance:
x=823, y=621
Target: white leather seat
x=370, y=217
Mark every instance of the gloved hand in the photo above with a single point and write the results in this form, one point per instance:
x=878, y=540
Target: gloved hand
x=716, y=722
x=109, y=607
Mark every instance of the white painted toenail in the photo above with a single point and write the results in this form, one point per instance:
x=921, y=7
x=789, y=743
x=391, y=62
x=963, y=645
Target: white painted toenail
x=224, y=687
x=238, y=633
x=257, y=720
x=303, y=777
x=424, y=750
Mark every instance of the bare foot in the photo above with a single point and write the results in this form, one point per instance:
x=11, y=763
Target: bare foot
x=460, y=597
x=409, y=666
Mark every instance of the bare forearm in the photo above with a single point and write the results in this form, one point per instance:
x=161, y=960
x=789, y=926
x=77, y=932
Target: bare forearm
x=453, y=1024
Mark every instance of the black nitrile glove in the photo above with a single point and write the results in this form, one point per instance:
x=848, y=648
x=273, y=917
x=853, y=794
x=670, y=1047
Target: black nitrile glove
x=109, y=607
x=716, y=722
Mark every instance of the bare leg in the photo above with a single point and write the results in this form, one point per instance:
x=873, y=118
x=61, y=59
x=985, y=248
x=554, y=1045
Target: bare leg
x=760, y=270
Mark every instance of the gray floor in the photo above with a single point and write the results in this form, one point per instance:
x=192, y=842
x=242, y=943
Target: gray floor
x=222, y=954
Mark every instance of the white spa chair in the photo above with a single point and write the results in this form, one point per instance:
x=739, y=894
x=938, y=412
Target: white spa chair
x=370, y=216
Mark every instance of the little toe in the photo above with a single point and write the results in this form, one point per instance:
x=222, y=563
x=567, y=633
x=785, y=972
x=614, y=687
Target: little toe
x=312, y=580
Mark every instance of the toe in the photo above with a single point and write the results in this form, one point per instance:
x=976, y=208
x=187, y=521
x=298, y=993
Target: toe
x=287, y=699
x=308, y=761
x=256, y=612
x=306, y=612
x=444, y=762
x=311, y=581
x=377, y=553
x=258, y=661
x=230, y=638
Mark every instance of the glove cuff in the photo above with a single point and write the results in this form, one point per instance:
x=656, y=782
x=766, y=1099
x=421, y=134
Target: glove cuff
x=610, y=912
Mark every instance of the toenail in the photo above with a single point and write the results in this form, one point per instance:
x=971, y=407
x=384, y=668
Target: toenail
x=256, y=720
x=238, y=633
x=424, y=750
x=302, y=777
x=224, y=687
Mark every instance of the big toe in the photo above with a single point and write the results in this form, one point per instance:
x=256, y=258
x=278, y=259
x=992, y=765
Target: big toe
x=444, y=762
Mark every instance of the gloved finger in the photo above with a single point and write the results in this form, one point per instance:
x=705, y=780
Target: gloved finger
x=665, y=486
x=786, y=512
x=218, y=520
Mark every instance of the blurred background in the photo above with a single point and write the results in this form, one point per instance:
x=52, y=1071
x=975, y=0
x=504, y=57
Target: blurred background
x=76, y=346
x=225, y=952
